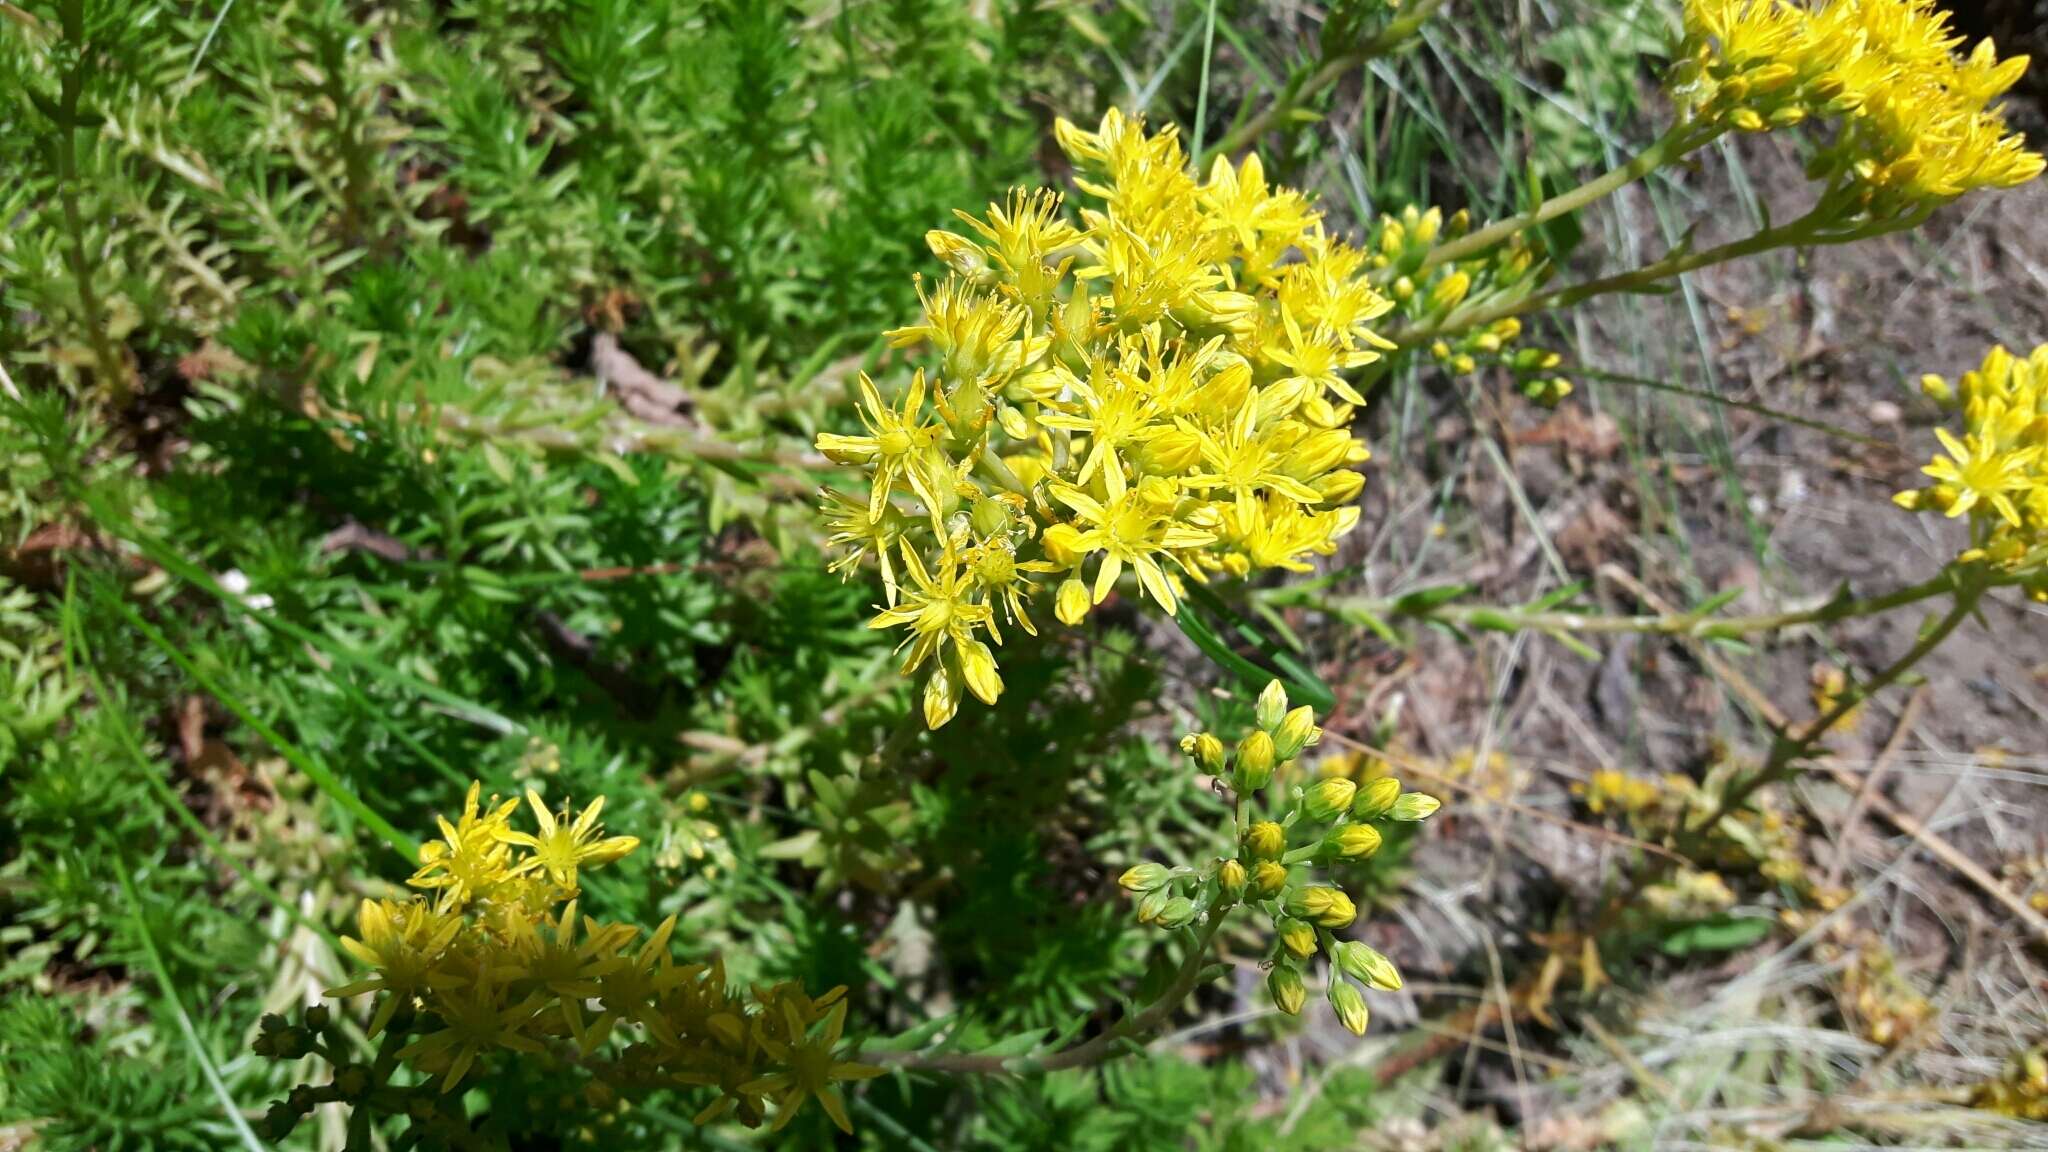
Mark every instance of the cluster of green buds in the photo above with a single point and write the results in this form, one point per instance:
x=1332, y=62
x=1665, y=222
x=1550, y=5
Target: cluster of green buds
x=1283, y=862
x=1432, y=295
x=1534, y=369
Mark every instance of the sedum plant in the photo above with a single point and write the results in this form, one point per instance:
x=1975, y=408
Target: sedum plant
x=489, y=962
x=1157, y=390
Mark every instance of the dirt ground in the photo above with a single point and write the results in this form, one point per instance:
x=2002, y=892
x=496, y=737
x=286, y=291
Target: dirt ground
x=1785, y=514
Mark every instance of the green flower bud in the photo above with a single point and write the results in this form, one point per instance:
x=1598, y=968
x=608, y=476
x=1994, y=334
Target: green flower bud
x=317, y=1016
x=1297, y=730
x=1414, y=806
x=351, y=1081
x=1322, y=906
x=1366, y=966
x=989, y=518
x=1349, y=1004
x=1272, y=706
x=1230, y=876
x=1268, y=878
x=1178, y=912
x=1153, y=904
x=1144, y=877
x=1375, y=798
x=1265, y=840
x=1255, y=761
x=1297, y=937
x=1353, y=841
x=1289, y=993
x=1205, y=750
x=1328, y=798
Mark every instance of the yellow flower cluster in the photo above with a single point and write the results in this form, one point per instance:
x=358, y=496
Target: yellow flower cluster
x=1158, y=389
x=2021, y=1090
x=1658, y=810
x=491, y=957
x=1996, y=471
x=1916, y=123
x=1333, y=821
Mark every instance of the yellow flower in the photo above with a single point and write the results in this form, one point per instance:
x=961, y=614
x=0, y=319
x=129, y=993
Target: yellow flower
x=1129, y=530
x=1165, y=382
x=1996, y=471
x=469, y=860
x=1917, y=124
x=939, y=609
x=404, y=944
x=475, y=1019
x=562, y=846
x=896, y=444
x=793, y=1036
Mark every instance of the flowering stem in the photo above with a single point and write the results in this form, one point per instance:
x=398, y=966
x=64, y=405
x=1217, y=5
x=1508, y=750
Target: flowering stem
x=66, y=148
x=1697, y=624
x=1306, y=84
x=1096, y=1050
x=1810, y=229
x=1788, y=750
x=1681, y=139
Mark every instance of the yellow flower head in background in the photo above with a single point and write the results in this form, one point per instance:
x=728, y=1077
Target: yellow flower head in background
x=1993, y=467
x=1156, y=391
x=1916, y=124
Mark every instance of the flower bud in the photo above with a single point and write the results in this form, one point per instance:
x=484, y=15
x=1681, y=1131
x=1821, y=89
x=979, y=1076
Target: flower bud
x=957, y=252
x=1178, y=912
x=1328, y=798
x=1298, y=938
x=1153, y=904
x=941, y=699
x=351, y=1081
x=1170, y=453
x=1431, y=223
x=1289, y=993
x=317, y=1016
x=1450, y=291
x=1353, y=841
x=1366, y=966
x=1255, y=760
x=1272, y=706
x=1268, y=878
x=1414, y=806
x=1205, y=750
x=1339, y=487
x=1375, y=798
x=1072, y=603
x=1265, y=840
x=1297, y=730
x=978, y=668
x=1230, y=876
x=1349, y=1005
x=1059, y=542
x=1322, y=906
x=1144, y=877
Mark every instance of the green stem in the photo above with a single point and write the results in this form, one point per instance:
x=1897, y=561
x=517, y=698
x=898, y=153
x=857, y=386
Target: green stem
x=207, y=1067
x=1681, y=139
x=1787, y=751
x=1305, y=85
x=66, y=148
x=319, y=773
x=1699, y=625
x=1810, y=229
x=1092, y=1051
